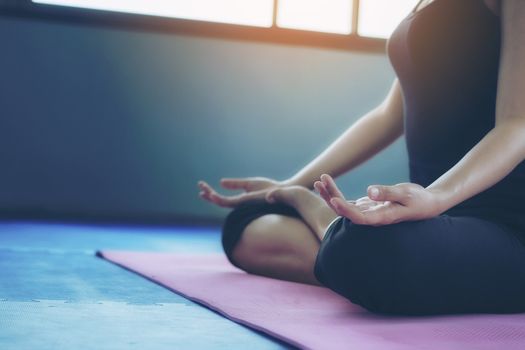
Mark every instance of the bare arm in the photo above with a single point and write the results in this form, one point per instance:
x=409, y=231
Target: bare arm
x=488, y=162
x=370, y=134
x=503, y=148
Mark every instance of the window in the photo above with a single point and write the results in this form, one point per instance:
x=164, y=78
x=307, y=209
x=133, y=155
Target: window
x=332, y=16
x=379, y=18
x=248, y=12
x=340, y=24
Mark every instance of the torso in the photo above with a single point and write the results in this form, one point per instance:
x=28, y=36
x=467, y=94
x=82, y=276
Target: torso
x=446, y=56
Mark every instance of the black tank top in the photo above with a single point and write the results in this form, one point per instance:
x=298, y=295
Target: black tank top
x=446, y=56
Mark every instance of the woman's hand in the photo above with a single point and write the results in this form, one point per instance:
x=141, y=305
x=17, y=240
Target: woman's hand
x=384, y=205
x=255, y=189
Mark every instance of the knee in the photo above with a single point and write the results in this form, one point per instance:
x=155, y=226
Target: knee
x=253, y=243
x=244, y=223
x=233, y=230
x=362, y=263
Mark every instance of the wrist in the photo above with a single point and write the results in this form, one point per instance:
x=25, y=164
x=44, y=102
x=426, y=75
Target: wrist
x=295, y=181
x=442, y=198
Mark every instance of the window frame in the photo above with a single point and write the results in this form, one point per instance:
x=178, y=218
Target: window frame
x=180, y=26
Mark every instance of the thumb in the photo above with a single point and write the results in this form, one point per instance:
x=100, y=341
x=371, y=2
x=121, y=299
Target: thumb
x=387, y=193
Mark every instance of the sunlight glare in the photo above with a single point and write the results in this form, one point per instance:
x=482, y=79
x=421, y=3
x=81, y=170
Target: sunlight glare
x=379, y=18
x=247, y=12
x=332, y=16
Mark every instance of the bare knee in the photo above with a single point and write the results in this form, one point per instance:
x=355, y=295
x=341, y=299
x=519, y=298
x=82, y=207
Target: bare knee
x=250, y=240
x=278, y=246
x=260, y=240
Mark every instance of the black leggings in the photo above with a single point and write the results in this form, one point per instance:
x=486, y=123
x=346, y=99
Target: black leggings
x=447, y=264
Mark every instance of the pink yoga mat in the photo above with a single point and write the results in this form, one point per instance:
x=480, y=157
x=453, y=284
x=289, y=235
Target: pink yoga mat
x=313, y=317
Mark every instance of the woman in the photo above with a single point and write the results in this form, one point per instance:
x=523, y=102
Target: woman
x=453, y=239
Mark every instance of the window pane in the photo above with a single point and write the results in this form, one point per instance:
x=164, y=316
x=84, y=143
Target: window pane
x=379, y=18
x=333, y=16
x=248, y=12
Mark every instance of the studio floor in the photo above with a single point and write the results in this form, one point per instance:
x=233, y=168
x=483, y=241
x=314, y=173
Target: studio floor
x=56, y=294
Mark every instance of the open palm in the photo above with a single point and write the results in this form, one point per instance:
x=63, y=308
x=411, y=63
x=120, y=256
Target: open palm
x=384, y=205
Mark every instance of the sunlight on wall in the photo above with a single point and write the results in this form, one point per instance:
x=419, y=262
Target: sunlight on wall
x=333, y=16
x=379, y=18
x=248, y=12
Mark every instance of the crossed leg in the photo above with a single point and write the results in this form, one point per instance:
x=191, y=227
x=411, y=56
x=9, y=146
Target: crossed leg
x=446, y=264
x=278, y=246
x=285, y=247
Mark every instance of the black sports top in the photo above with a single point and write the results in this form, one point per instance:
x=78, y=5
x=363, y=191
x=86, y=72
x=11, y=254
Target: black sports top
x=446, y=56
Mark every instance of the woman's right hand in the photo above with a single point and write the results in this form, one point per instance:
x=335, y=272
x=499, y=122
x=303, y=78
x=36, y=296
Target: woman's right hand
x=255, y=189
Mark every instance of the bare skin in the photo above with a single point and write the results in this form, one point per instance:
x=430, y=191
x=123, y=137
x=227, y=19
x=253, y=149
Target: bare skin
x=265, y=247
x=285, y=248
x=314, y=210
x=279, y=247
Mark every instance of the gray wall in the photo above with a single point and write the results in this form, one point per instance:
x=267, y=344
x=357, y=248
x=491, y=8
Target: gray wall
x=105, y=121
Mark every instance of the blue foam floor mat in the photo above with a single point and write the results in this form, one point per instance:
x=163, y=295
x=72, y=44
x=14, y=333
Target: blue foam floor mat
x=55, y=290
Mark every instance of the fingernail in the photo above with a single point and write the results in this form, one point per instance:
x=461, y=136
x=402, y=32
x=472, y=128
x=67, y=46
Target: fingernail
x=374, y=192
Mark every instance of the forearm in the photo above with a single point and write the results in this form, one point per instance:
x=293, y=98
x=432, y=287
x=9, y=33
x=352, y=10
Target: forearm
x=370, y=134
x=494, y=157
x=366, y=137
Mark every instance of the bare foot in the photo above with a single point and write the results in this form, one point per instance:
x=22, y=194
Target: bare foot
x=314, y=210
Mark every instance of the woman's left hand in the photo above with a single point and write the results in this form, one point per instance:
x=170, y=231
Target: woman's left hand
x=384, y=205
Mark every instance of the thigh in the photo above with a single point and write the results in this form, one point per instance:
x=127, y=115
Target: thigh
x=442, y=265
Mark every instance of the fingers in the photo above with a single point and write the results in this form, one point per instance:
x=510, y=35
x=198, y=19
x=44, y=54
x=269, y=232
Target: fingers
x=331, y=187
x=234, y=183
x=206, y=189
x=209, y=194
x=381, y=214
x=233, y=201
x=398, y=193
x=224, y=201
x=328, y=189
x=323, y=192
